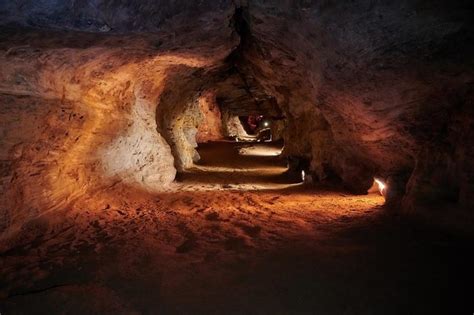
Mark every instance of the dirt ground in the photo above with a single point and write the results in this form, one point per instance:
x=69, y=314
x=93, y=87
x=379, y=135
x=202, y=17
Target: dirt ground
x=235, y=235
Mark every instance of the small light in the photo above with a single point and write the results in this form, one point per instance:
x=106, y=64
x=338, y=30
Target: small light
x=265, y=124
x=303, y=175
x=381, y=186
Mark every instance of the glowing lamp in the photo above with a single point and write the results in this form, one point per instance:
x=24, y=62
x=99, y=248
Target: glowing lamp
x=303, y=175
x=381, y=186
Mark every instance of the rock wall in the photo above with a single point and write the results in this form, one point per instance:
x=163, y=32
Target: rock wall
x=184, y=108
x=78, y=112
x=278, y=127
x=103, y=15
x=178, y=119
x=34, y=133
x=233, y=126
x=367, y=86
x=139, y=154
x=210, y=127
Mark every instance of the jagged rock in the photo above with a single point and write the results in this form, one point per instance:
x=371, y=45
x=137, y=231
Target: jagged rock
x=99, y=92
x=210, y=126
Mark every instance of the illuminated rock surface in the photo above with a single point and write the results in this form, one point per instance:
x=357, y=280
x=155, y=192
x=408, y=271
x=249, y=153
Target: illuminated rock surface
x=103, y=104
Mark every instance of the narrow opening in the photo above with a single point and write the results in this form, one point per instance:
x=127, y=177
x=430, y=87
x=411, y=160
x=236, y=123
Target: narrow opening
x=258, y=126
x=246, y=158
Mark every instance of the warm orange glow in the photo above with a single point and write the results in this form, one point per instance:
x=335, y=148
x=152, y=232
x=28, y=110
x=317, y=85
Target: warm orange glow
x=101, y=128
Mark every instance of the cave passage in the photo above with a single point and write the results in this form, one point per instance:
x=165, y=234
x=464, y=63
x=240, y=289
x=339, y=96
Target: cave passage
x=241, y=166
x=236, y=157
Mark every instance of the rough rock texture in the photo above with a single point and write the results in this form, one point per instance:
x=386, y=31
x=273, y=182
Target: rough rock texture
x=233, y=127
x=370, y=88
x=210, y=127
x=278, y=127
x=78, y=111
x=179, y=116
x=364, y=88
x=34, y=133
x=140, y=154
x=103, y=15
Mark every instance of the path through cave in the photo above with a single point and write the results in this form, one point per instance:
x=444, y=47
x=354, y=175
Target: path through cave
x=239, y=166
x=238, y=233
x=213, y=249
x=236, y=157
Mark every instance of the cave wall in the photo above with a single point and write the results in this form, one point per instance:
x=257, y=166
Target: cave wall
x=139, y=154
x=233, y=126
x=78, y=111
x=104, y=15
x=110, y=92
x=210, y=126
x=34, y=132
x=369, y=88
x=179, y=116
x=278, y=127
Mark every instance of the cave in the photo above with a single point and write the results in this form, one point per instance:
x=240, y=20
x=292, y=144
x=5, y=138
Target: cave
x=236, y=157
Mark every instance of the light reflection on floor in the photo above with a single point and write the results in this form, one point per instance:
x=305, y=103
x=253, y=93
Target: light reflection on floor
x=260, y=150
x=233, y=166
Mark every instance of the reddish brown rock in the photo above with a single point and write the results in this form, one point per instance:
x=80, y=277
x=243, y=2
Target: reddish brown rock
x=210, y=127
x=360, y=90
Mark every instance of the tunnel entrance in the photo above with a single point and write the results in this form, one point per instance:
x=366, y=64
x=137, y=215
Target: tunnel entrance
x=245, y=153
x=257, y=126
x=104, y=103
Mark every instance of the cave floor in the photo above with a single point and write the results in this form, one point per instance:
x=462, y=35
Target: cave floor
x=236, y=235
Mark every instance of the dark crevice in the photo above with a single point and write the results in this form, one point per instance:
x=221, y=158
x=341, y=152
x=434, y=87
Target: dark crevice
x=41, y=290
x=240, y=24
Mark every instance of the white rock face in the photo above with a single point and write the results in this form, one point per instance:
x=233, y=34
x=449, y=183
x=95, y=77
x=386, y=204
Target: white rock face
x=140, y=156
x=234, y=127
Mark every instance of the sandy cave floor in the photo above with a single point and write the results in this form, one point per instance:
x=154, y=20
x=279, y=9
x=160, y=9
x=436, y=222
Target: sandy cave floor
x=238, y=236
